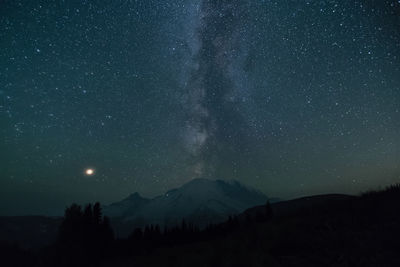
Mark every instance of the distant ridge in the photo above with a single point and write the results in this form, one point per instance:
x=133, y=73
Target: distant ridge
x=300, y=205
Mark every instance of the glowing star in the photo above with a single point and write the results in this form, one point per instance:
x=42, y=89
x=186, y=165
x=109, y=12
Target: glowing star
x=89, y=172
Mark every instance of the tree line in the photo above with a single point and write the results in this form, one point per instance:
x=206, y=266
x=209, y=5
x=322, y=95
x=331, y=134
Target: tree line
x=86, y=237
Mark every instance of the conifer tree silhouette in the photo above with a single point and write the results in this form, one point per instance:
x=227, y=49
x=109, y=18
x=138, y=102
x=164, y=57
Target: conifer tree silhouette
x=84, y=236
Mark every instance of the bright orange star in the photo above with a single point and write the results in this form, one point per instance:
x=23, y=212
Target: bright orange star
x=89, y=172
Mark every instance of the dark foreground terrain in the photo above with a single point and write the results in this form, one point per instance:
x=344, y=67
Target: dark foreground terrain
x=329, y=230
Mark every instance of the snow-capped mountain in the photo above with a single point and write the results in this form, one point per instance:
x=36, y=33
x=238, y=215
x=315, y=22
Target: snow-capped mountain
x=201, y=201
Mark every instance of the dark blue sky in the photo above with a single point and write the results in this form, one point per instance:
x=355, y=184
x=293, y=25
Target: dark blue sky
x=290, y=97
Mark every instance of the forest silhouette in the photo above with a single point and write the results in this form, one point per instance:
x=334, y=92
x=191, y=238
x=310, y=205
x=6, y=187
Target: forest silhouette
x=348, y=231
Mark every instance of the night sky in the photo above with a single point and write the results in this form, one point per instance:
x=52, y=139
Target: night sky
x=289, y=97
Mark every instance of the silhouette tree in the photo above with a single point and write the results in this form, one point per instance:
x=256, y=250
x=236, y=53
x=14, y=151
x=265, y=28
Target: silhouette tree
x=84, y=236
x=88, y=214
x=97, y=213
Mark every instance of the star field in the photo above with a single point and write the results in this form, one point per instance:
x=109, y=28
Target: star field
x=290, y=97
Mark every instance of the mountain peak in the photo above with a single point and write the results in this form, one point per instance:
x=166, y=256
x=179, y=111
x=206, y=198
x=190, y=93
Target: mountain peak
x=200, y=200
x=199, y=182
x=210, y=183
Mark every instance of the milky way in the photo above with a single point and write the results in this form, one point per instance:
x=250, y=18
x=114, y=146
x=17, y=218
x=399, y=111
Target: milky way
x=213, y=123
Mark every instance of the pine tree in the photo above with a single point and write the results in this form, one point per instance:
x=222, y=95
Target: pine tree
x=97, y=213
